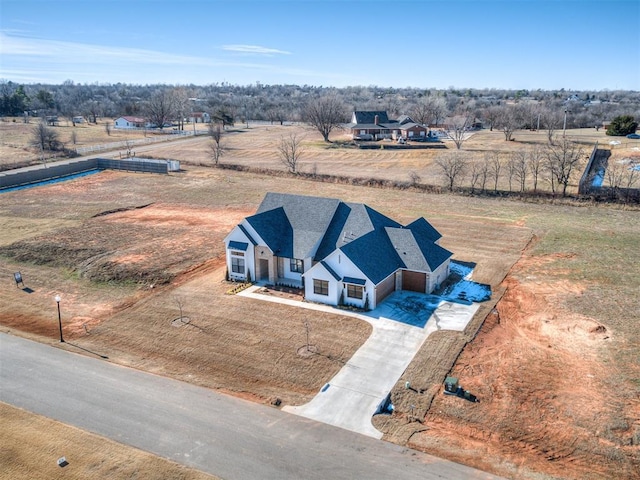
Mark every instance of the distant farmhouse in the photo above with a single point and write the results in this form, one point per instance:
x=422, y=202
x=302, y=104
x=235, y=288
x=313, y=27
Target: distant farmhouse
x=338, y=252
x=130, y=122
x=199, y=117
x=376, y=125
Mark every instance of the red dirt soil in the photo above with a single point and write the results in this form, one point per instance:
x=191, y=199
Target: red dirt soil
x=545, y=400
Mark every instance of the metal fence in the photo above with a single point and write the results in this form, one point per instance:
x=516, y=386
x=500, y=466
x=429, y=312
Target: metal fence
x=126, y=144
x=41, y=173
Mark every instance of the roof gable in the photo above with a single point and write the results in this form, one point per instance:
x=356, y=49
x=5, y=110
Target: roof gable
x=423, y=228
x=350, y=222
x=307, y=217
x=274, y=228
x=374, y=255
x=416, y=250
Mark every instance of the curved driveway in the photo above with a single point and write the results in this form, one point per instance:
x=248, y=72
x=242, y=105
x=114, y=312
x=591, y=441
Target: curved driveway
x=197, y=427
x=400, y=324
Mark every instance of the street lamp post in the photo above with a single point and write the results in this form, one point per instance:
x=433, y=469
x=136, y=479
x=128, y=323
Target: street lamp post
x=57, y=299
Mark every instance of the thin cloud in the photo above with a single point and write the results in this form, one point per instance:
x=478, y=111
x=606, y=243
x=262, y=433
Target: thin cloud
x=254, y=50
x=31, y=59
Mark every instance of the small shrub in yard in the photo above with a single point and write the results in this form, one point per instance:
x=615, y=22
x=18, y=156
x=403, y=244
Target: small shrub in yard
x=240, y=287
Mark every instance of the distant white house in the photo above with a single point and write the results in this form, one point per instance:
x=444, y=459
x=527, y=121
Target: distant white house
x=78, y=119
x=337, y=252
x=199, y=117
x=130, y=122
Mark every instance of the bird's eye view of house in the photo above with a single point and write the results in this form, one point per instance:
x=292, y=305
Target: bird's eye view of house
x=338, y=252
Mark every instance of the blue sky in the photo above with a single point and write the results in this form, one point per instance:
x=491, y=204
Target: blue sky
x=530, y=44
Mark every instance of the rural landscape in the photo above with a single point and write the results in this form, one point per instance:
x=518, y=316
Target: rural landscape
x=138, y=261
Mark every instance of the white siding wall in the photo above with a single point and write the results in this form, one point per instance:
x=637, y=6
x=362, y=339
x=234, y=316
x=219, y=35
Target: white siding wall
x=249, y=259
x=344, y=268
x=438, y=276
x=320, y=273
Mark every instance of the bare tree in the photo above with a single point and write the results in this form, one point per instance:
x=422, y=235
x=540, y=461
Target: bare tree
x=44, y=137
x=509, y=121
x=74, y=137
x=180, y=104
x=552, y=120
x=160, y=109
x=216, y=146
x=485, y=172
x=631, y=177
x=616, y=174
x=290, y=149
x=428, y=110
x=436, y=109
x=414, y=178
x=457, y=129
x=535, y=165
x=562, y=158
x=325, y=114
x=107, y=128
x=511, y=172
x=518, y=162
x=495, y=167
x=452, y=165
x=492, y=115
x=474, y=175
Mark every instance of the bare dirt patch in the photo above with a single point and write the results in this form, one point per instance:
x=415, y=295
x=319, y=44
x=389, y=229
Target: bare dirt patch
x=32, y=444
x=547, y=404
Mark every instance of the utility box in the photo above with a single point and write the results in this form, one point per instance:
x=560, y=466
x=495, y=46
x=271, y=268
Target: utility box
x=451, y=385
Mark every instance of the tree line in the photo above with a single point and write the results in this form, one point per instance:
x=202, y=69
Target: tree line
x=229, y=104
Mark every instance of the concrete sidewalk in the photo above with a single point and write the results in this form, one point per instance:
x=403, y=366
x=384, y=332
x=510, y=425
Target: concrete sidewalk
x=400, y=326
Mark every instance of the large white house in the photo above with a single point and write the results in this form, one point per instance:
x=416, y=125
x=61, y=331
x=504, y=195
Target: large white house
x=338, y=252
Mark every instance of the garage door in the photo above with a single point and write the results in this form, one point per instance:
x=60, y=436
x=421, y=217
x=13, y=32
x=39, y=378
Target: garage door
x=414, y=281
x=385, y=288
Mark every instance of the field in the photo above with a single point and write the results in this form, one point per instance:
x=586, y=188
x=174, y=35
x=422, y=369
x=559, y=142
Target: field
x=257, y=147
x=555, y=365
x=16, y=137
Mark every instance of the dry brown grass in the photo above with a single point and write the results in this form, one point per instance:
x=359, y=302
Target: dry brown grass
x=16, y=137
x=256, y=147
x=32, y=444
x=241, y=346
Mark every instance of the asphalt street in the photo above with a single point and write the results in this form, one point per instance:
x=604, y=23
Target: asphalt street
x=223, y=435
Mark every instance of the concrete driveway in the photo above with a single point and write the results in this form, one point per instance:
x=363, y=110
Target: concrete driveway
x=400, y=324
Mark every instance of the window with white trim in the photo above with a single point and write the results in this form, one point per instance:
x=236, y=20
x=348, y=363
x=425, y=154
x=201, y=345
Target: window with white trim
x=296, y=265
x=320, y=287
x=237, y=265
x=355, y=291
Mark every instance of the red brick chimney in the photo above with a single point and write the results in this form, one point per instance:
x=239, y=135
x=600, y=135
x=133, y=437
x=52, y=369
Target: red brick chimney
x=376, y=120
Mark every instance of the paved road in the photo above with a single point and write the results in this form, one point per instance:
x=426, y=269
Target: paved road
x=197, y=427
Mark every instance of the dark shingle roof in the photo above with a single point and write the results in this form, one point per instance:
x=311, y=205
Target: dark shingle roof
x=422, y=227
x=351, y=221
x=416, y=250
x=298, y=226
x=308, y=217
x=244, y=230
x=374, y=255
x=238, y=245
x=370, y=117
x=274, y=228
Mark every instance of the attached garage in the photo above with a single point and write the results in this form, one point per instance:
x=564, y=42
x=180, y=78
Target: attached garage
x=385, y=288
x=414, y=281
